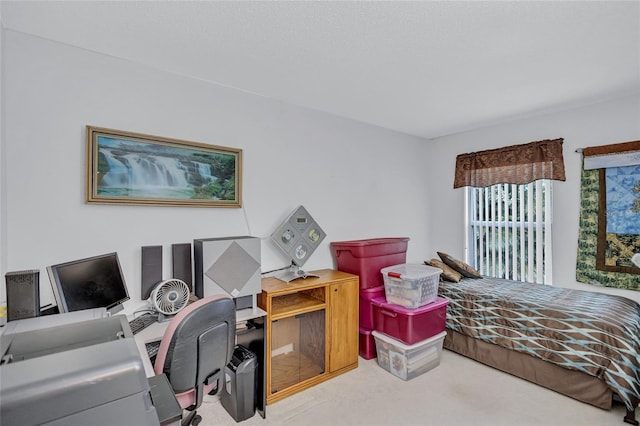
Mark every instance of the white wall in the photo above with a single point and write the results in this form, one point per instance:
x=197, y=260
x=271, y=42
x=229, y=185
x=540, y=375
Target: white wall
x=356, y=180
x=599, y=124
x=3, y=246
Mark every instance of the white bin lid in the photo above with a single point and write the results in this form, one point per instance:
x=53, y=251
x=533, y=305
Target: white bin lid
x=404, y=346
x=411, y=270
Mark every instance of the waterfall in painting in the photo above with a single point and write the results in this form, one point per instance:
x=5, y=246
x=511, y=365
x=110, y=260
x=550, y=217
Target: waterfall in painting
x=134, y=174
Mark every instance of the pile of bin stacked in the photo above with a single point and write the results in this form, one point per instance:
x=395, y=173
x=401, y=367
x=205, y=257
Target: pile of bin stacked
x=402, y=319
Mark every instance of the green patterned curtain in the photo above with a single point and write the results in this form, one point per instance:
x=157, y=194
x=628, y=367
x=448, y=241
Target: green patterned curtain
x=586, y=271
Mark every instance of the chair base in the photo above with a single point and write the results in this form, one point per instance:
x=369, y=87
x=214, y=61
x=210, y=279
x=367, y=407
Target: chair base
x=192, y=419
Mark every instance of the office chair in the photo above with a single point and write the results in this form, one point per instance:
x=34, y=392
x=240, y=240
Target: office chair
x=194, y=350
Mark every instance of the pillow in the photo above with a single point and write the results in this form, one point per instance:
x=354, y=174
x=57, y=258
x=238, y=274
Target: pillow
x=464, y=268
x=448, y=273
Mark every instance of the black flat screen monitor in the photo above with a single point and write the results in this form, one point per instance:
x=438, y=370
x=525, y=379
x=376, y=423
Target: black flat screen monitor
x=94, y=282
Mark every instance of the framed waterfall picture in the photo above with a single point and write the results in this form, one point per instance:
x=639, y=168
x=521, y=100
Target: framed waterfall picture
x=133, y=168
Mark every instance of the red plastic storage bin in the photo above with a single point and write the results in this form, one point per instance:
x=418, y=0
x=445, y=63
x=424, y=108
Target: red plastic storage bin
x=409, y=325
x=366, y=308
x=365, y=258
x=367, y=344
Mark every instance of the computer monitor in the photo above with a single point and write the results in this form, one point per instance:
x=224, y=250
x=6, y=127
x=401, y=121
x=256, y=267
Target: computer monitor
x=94, y=282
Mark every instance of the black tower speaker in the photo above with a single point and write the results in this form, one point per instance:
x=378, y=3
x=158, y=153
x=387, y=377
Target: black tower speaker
x=23, y=294
x=181, y=261
x=151, y=269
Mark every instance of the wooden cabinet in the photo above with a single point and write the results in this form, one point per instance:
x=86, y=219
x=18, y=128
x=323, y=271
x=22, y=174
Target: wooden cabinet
x=343, y=336
x=312, y=330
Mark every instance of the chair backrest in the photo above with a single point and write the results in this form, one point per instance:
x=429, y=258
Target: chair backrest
x=196, y=346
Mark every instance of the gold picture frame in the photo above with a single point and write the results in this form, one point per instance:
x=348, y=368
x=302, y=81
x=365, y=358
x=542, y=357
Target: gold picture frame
x=134, y=168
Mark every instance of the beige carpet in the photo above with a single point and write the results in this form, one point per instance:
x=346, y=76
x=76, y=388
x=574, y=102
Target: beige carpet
x=457, y=392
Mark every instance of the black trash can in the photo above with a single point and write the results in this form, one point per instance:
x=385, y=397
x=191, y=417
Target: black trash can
x=239, y=392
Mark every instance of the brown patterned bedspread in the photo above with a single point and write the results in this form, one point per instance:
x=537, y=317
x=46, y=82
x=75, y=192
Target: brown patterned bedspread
x=596, y=333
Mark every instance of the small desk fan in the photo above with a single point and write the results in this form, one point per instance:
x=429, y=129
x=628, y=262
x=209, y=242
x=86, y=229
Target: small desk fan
x=298, y=236
x=169, y=297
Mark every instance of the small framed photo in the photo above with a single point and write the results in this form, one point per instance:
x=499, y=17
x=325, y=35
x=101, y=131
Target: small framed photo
x=133, y=168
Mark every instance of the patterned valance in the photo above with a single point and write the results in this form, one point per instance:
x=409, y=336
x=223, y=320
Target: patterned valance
x=517, y=164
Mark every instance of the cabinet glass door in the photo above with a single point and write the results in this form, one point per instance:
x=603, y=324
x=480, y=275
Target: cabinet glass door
x=297, y=349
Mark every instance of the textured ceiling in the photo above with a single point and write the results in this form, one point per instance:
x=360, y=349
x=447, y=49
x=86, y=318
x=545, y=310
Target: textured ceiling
x=424, y=68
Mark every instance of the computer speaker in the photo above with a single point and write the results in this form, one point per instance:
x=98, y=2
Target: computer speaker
x=23, y=294
x=181, y=261
x=151, y=269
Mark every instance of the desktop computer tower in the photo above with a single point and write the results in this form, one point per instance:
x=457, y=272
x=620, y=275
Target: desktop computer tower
x=239, y=391
x=229, y=265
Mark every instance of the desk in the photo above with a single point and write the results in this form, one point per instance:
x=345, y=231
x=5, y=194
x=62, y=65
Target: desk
x=249, y=333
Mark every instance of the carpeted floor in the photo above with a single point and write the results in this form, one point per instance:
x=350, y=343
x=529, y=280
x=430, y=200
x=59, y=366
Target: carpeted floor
x=458, y=392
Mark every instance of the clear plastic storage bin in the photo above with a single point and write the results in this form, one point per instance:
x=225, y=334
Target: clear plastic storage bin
x=408, y=361
x=411, y=285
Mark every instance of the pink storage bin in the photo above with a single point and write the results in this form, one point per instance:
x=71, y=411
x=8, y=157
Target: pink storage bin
x=367, y=348
x=409, y=325
x=365, y=258
x=366, y=308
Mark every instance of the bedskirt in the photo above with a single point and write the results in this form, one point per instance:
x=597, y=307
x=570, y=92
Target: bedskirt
x=572, y=383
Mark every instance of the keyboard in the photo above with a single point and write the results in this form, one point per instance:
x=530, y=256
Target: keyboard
x=152, y=349
x=140, y=323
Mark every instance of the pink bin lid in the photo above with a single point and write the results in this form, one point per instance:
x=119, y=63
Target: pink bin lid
x=381, y=301
x=378, y=289
x=370, y=242
x=372, y=247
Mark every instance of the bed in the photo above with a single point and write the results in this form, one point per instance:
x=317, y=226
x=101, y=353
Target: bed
x=583, y=344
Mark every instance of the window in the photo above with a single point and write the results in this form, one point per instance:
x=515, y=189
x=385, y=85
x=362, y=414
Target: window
x=508, y=230
x=508, y=208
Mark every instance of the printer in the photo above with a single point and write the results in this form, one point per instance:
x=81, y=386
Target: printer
x=85, y=372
